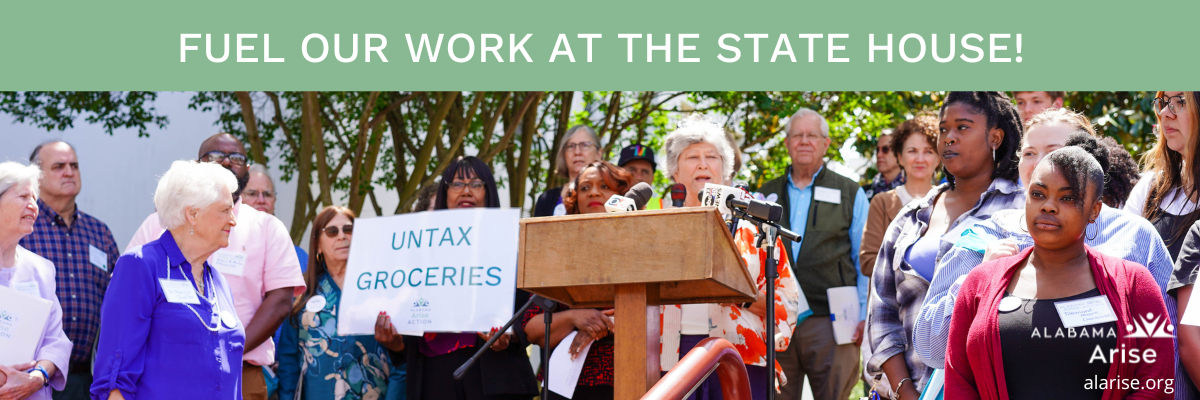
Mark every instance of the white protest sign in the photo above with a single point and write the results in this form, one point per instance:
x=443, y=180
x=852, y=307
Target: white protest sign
x=438, y=271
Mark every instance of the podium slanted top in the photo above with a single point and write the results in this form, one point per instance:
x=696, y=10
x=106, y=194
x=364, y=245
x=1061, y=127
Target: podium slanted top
x=687, y=253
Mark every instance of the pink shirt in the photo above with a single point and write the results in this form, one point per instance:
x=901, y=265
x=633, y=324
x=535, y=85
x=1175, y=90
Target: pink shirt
x=260, y=258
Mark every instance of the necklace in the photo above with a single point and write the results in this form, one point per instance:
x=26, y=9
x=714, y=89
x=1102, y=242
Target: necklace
x=216, y=305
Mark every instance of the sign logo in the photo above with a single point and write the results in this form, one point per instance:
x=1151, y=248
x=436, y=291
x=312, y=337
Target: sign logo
x=1150, y=326
x=421, y=302
x=7, y=317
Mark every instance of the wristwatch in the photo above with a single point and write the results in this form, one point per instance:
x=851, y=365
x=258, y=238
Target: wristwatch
x=45, y=375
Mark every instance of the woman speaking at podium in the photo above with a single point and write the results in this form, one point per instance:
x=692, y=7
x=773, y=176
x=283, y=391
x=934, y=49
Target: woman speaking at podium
x=697, y=153
x=31, y=275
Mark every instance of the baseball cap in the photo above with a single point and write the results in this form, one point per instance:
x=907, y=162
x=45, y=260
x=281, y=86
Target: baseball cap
x=637, y=152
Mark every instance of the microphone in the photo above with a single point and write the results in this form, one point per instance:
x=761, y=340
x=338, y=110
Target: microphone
x=641, y=194
x=619, y=203
x=727, y=198
x=633, y=200
x=764, y=210
x=678, y=194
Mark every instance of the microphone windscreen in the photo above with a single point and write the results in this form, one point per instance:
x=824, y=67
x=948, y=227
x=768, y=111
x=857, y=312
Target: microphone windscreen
x=776, y=213
x=641, y=194
x=679, y=192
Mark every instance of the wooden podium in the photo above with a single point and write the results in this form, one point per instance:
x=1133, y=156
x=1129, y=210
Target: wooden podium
x=633, y=262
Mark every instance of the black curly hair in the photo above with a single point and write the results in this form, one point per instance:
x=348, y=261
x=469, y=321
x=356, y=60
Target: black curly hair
x=1122, y=173
x=1084, y=173
x=1000, y=113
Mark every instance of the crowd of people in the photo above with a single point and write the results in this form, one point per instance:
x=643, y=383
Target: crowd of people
x=1003, y=250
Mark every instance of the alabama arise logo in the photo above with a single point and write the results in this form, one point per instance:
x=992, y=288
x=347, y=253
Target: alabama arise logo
x=1150, y=326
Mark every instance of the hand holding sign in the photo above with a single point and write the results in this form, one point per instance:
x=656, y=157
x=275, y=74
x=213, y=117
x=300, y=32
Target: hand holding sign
x=386, y=335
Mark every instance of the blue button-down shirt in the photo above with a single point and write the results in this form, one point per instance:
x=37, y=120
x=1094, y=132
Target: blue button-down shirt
x=799, y=202
x=83, y=254
x=151, y=348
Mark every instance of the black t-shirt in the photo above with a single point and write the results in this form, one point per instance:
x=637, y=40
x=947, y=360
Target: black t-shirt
x=1187, y=263
x=1044, y=360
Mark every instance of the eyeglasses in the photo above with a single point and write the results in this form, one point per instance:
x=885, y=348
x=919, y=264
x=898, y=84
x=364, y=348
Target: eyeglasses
x=220, y=156
x=582, y=146
x=1175, y=103
x=266, y=194
x=332, y=231
x=806, y=137
x=459, y=186
x=885, y=149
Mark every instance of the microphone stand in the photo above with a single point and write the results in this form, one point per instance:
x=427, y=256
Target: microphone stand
x=768, y=232
x=548, y=307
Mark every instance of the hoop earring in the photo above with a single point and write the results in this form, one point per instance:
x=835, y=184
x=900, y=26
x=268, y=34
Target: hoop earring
x=1093, y=236
x=1024, y=227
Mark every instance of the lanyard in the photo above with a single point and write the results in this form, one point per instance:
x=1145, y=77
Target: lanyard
x=214, y=300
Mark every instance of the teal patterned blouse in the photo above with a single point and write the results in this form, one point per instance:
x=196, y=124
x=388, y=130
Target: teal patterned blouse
x=334, y=367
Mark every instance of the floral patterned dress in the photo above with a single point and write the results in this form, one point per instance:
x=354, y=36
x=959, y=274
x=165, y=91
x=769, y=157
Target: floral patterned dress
x=746, y=331
x=312, y=357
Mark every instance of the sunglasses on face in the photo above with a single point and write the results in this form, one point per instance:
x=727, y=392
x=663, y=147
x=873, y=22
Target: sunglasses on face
x=332, y=231
x=885, y=149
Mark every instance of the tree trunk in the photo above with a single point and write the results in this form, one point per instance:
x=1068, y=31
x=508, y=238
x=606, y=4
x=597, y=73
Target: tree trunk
x=564, y=122
x=358, y=162
x=304, y=170
x=528, y=131
x=251, y=122
x=312, y=118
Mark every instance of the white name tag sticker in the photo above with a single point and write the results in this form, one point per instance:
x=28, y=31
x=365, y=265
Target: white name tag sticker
x=1083, y=312
x=315, y=304
x=30, y=288
x=229, y=262
x=179, y=292
x=821, y=193
x=98, y=257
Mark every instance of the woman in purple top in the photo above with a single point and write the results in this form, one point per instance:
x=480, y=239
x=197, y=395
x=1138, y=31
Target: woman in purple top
x=31, y=275
x=168, y=328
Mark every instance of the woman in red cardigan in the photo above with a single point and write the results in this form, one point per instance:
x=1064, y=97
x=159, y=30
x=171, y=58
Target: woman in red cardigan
x=1059, y=320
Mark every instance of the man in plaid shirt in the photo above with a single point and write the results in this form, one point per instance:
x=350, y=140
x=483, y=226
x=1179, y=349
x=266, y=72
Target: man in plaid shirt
x=83, y=252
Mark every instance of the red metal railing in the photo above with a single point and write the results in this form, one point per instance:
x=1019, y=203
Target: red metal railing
x=712, y=354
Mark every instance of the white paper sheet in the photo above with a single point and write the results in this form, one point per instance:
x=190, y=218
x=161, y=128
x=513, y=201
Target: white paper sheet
x=564, y=372
x=22, y=321
x=843, y=311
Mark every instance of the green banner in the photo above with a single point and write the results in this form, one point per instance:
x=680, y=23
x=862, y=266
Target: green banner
x=699, y=45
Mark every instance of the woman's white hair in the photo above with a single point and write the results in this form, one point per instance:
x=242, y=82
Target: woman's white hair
x=692, y=130
x=189, y=184
x=13, y=174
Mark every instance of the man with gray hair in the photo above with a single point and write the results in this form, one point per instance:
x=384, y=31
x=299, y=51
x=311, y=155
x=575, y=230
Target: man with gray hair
x=829, y=211
x=83, y=251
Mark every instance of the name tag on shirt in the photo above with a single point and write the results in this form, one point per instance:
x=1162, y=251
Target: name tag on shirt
x=179, y=292
x=229, y=262
x=821, y=193
x=98, y=257
x=30, y=288
x=1082, y=312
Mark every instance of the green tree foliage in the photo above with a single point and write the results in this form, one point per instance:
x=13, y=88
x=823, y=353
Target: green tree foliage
x=345, y=147
x=59, y=110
